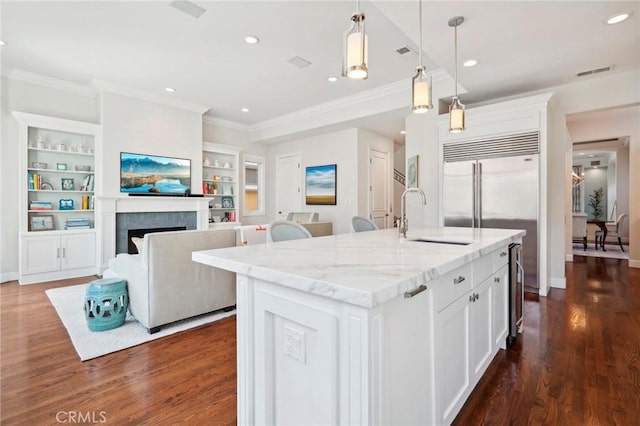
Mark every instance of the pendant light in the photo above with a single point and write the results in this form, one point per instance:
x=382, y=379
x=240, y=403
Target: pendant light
x=456, y=109
x=356, y=49
x=421, y=82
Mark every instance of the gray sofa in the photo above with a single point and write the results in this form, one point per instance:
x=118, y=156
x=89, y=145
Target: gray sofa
x=165, y=285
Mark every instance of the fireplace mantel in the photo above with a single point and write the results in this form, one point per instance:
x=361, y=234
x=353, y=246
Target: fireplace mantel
x=108, y=207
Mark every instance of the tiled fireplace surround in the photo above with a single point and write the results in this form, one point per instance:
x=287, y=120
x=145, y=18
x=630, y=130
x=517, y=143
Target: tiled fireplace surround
x=117, y=214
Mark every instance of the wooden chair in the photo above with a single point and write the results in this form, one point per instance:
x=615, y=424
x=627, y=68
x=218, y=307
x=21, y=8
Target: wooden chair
x=615, y=232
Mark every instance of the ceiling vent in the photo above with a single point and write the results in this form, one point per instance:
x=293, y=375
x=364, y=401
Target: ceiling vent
x=299, y=62
x=594, y=71
x=404, y=50
x=595, y=163
x=189, y=8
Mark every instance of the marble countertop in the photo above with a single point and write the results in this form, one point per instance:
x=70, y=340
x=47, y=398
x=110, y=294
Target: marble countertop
x=366, y=268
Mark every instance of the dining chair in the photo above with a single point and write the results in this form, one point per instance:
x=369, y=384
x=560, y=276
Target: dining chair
x=361, y=224
x=580, y=228
x=612, y=232
x=285, y=230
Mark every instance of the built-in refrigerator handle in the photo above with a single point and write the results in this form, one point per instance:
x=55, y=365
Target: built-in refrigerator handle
x=479, y=194
x=474, y=211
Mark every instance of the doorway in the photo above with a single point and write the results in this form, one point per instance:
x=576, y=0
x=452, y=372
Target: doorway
x=380, y=207
x=288, y=185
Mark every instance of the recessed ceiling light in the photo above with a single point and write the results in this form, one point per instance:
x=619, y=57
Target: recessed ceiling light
x=251, y=39
x=169, y=89
x=617, y=18
x=245, y=109
x=333, y=79
x=470, y=63
x=403, y=132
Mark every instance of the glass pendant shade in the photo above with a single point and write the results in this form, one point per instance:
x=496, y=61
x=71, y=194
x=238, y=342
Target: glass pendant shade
x=456, y=116
x=356, y=50
x=421, y=91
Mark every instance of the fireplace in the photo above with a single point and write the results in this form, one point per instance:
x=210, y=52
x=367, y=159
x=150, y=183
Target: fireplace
x=132, y=233
x=144, y=222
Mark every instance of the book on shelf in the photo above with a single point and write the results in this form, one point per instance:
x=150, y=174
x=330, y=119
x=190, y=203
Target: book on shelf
x=40, y=205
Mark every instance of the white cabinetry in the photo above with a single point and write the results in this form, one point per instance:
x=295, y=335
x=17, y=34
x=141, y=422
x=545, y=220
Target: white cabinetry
x=58, y=177
x=220, y=177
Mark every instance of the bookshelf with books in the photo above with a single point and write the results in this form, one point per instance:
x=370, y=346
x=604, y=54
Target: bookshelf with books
x=57, y=189
x=220, y=165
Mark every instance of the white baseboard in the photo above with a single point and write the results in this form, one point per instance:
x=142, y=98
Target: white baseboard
x=558, y=282
x=568, y=257
x=634, y=263
x=8, y=276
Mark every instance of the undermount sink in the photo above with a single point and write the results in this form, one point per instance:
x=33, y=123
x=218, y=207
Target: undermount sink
x=436, y=241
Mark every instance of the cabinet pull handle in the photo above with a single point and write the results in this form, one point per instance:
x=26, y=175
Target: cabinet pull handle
x=64, y=252
x=503, y=254
x=418, y=290
x=58, y=253
x=477, y=296
x=472, y=298
x=496, y=280
x=458, y=280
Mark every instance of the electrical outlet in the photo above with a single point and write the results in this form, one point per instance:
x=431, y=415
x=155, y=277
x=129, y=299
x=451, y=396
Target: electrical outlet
x=294, y=344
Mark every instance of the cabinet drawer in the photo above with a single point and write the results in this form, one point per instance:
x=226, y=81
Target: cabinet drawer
x=451, y=286
x=500, y=258
x=482, y=268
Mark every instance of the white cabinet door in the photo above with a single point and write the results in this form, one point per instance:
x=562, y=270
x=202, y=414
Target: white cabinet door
x=40, y=254
x=481, y=329
x=452, y=359
x=78, y=251
x=500, y=294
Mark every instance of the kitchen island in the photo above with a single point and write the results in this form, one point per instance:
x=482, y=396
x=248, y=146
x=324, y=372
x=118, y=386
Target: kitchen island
x=367, y=328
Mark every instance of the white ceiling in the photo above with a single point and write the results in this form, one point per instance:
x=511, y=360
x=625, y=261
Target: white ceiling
x=521, y=45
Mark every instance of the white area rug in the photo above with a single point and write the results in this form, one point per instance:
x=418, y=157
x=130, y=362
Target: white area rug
x=69, y=301
x=613, y=252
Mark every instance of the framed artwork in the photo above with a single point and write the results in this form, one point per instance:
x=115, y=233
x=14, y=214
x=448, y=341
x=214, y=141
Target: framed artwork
x=61, y=166
x=227, y=202
x=67, y=184
x=412, y=172
x=41, y=223
x=65, y=204
x=321, y=185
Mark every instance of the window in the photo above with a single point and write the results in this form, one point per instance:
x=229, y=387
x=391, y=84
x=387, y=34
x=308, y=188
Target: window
x=253, y=185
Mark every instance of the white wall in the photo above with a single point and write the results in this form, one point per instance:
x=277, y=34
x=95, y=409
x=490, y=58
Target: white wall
x=36, y=99
x=339, y=148
x=595, y=179
x=135, y=125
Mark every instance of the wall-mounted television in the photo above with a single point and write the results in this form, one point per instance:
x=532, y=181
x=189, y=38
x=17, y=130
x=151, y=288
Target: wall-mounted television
x=154, y=175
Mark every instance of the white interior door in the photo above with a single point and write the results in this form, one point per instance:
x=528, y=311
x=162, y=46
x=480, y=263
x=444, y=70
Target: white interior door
x=288, y=185
x=379, y=187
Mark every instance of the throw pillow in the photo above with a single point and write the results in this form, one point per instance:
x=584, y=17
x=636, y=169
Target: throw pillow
x=138, y=242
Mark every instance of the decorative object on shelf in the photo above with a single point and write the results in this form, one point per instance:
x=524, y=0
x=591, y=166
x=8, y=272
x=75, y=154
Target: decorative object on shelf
x=216, y=177
x=38, y=165
x=227, y=165
x=216, y=163
x=65, y=204
x=67, y=184
x=46, y=186
x=61, y=166
x=217, y=205
x=216, y=219
x=355, y=55
x=61, y=146
x=321, y=185
x=456, y=109
x=226, y=178
x=421, y=82
x=206, y=162
x=227, y=202
x=41, y=223
x=40, y=143
x=83, y=168
x=412, y=172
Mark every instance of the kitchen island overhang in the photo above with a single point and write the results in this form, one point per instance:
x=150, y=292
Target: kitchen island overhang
x=325, y=334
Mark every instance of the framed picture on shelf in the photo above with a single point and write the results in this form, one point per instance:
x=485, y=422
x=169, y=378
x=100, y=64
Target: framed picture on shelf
x=321, y=185
x=61, y=166
x=67, y=184
x=41, y=223
x=65, y=204
x=227, y=202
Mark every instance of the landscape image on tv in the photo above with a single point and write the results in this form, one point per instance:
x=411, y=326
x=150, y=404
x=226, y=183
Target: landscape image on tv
x=154, y=174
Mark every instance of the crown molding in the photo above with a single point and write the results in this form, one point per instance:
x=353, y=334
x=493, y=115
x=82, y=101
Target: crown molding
x=220, y=122
x=351, y=101
x=52, y=83
x=118, y=89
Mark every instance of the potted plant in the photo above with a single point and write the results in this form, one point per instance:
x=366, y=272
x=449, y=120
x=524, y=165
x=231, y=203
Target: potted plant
x=595, y=202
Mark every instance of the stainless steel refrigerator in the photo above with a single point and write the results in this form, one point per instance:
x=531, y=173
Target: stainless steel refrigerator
x=495, y=193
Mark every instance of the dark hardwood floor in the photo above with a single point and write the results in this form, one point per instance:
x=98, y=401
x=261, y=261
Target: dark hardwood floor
x=577, y=363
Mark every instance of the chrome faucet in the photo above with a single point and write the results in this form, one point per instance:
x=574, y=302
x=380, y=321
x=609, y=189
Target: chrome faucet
x=403, y=227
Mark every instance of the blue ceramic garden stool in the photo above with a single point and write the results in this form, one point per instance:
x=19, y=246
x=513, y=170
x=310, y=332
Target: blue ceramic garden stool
x=106, y=304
